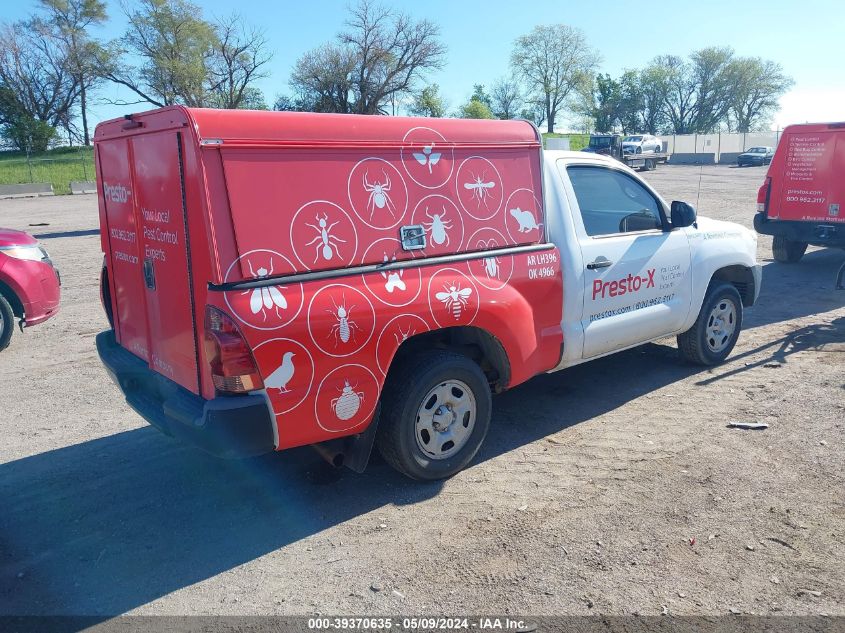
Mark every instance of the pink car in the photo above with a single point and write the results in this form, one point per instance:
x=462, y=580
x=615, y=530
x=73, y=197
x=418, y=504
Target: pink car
x=29, y=283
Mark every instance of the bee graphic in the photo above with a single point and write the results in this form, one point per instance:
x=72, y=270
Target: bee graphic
x=480, y=190
x=427, y=158
x=455, y=299
x=265, y=297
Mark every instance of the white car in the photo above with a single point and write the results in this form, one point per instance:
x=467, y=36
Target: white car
x=641, y=143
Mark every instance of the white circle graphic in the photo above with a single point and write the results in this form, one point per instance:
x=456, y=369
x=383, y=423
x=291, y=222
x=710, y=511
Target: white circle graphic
x=296, y=368
x=320, y=238
x=347, y=406
x=252, y=293
x=344, y=328
x=450, y=294
x=391, y=287
x=438, y=216
x=422, y=155
x=524, y=224
x=403, y=335
x=479, y=180
x=380, y=191
x=489, y=268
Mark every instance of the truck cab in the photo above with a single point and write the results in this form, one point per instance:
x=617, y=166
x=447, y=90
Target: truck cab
x=636, y=268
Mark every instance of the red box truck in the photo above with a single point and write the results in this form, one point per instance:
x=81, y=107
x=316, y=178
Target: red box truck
x=800, y=202
x=280, y=279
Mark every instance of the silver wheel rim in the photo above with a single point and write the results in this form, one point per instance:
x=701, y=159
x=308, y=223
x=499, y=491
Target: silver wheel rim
x=721, y=325
x=445, y=419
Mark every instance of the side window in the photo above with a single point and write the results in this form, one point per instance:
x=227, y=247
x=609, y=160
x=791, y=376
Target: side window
x=612, y=202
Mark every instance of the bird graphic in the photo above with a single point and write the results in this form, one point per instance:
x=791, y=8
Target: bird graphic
x=280, y=378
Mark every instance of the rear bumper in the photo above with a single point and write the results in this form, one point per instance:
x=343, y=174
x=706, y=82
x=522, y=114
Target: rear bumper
x=230, y=427
x=815, y=233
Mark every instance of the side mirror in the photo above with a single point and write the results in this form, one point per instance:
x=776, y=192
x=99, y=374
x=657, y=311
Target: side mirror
x=683, y=214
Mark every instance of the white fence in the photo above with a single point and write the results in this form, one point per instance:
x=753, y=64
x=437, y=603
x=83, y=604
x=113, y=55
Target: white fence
x=715, y=148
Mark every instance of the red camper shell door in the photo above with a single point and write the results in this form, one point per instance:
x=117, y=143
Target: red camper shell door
x=812, y=189
x=155, y=316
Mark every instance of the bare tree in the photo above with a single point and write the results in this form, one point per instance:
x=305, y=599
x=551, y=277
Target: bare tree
x=239, y=57
x=71, y=20
x=553, y=61
x=35, y=74
x=377, y=60
x=506, y=98
x=322, y=79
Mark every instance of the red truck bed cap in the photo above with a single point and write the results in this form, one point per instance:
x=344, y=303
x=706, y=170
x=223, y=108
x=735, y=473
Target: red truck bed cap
x=260, y=126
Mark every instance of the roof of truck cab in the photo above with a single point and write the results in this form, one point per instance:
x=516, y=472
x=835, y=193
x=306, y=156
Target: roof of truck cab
x=257, y=126
x=814, y=127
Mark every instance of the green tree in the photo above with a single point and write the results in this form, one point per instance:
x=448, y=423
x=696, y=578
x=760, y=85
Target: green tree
x=476, y=109
x=428, y=102
x=554, y=62
x=71, y=21
x=186, y=59
x=758, y=85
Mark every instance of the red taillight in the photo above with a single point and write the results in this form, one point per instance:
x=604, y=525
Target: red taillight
x=763, y=196
x=233, y=367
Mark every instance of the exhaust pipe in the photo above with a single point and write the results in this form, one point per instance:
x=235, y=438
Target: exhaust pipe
x=328, y=452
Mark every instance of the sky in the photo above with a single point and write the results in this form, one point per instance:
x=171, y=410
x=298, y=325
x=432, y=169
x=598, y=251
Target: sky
x=805, y=38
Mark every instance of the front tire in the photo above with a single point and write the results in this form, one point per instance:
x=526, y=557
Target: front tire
x=7, y=323
x=713, y=335
x=787, y=251
x=435, y=414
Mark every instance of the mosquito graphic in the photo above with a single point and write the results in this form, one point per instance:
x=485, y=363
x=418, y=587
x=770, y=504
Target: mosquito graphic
x=401, y=336
x=265, y=297
x=427, y=158
x=480, y=190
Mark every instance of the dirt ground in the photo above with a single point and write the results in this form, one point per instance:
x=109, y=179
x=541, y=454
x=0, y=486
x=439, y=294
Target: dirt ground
x=613, y=487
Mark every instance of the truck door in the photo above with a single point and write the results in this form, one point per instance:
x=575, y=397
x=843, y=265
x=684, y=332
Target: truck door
x=637, y=282
x=155, y=317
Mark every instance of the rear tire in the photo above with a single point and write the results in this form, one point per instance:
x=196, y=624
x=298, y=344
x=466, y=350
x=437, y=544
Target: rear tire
x=435, y=413
x=787, y=251
x=7, y=323
x=713, y=335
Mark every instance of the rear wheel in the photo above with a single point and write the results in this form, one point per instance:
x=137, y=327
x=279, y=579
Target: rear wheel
x=435, y=414
x=7, y=323
x=787, y=251
x=715, y=332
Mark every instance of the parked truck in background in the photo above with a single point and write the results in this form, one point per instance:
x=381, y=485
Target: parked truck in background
x=800, y=201
x=628, y=152
x=281, y=279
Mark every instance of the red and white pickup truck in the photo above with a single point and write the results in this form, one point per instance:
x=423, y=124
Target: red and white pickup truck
x=282, y=279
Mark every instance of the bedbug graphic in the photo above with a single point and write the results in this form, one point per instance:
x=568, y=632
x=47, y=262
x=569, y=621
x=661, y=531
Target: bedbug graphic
x=438, y=226
x=328, y=243
x=345, y=328
x=379, y=197
x=455, y=299
x=265, y=297
x=348, y=402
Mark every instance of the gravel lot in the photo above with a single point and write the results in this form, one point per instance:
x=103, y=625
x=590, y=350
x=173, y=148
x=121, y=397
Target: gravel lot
x=612, y=488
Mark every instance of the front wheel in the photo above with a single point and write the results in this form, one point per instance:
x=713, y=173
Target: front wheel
x=435, y=414
x=7, y=323
x=715, y=332
x=787, y=251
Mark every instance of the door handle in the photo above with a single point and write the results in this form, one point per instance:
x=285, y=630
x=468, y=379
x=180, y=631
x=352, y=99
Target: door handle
x=149, y=274
x=599, y=263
